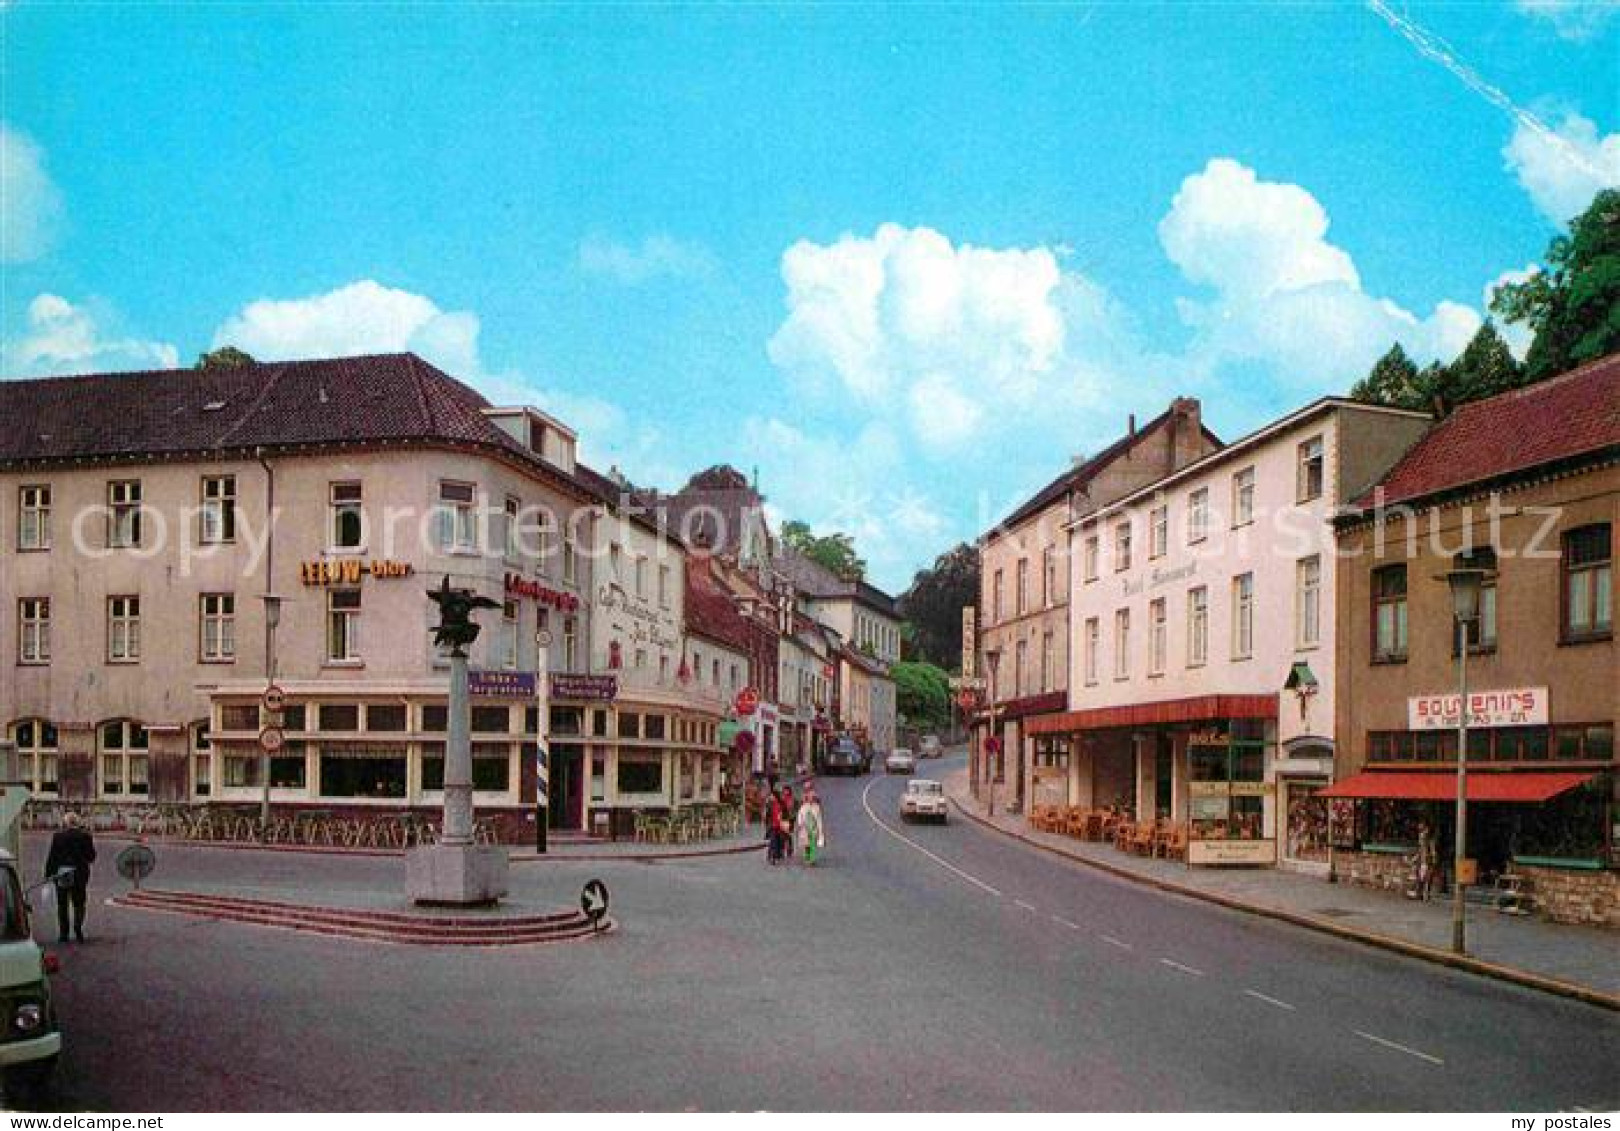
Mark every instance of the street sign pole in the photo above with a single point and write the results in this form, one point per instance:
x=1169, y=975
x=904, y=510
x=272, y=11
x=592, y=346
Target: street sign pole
x=542, y=728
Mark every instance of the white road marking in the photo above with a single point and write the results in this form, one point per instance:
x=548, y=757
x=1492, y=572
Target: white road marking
x=906, y=840
x=1112, y=941
x=1061, y=921
x=1399, y=1048
x=1269, y=1000
x=1183, y=969
x=1025, y=906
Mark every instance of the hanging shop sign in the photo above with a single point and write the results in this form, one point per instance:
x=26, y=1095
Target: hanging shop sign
x=350, y=571
x=500, y=685
x=517, y=586
x=970, y=641
x=595, y=688
x=1515, y=707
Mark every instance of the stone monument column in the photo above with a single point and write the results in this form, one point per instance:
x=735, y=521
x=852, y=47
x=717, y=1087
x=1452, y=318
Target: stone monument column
x=458, y=799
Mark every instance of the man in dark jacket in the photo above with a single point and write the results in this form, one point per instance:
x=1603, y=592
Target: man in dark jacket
x=71, y=849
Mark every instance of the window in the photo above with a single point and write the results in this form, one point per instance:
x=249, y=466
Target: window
x=1198, y=515
x=34, y=630
x=354, y=770
x=1243, y=616
x=1158, y=531
x=343, y=626
x=1023, y=585
x=663, y=587
x=202, y=761
x=218, y=509
x=1093, y=646
x=641, y=658
x=123, y=629
x=1309, y=475
x=123, y=758
x=1308, y=602
x=1091, y=557
x=1197, y=627
x=1588, y=583
x=1122, y=546
x=570, y=643
x=1482, y=629
x=1049, y=572
x=509, y=635
x=34, y=518
x=641, y=576
x=663, y=670
x=1122, y=643
x=339, y=718
x=511, y=516
x=458, y=517
x=1158, y=636
x=1020, y=666
x=217, y=627
x=570, y=558
x=124, y=514
x=36, y=743
x=347, y=516
x=1243, y=497
x=1389, y=613
x=640, y=775
x=995, y=599
x=616, y=562
x=1046, y=661
x=386, y=717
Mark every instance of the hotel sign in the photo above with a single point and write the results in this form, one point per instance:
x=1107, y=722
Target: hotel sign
x=1259, y=852
x=518, y=586
x=349, y=571
x=596, y=688
x=1515, y=707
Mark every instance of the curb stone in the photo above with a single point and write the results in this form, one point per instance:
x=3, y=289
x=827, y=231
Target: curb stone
x=1513, y=974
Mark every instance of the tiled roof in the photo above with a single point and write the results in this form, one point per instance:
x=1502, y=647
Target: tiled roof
x=711, y=612
x=818, y=582
x=1567, y=417
x=174, y=413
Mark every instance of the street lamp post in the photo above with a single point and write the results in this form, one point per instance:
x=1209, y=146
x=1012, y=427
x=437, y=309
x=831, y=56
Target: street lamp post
x=993, y=659
x=272, y=621
x=1465, y=583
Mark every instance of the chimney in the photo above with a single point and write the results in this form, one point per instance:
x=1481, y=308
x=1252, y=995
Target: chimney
x=1186, y=431
x=1131, y=427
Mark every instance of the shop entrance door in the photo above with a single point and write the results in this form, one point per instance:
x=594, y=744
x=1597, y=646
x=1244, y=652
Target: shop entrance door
x=567, y=788
x=1164, y=764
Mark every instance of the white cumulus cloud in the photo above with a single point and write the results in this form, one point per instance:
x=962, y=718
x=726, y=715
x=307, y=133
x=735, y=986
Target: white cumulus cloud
x=1564, y=167
x=360, y=318
x=656, y=257
x=64, y=338
x=1285, y=296
x=1572, y=19
x=30, y=206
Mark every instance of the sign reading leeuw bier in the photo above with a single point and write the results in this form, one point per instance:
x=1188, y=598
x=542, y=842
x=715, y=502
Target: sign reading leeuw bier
x=1514, y=707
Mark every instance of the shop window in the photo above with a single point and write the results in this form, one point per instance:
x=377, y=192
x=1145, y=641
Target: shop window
x=1588, y=588
x=655, y=727
x=339, y=718
x=629, y=724
x=1389, y=614
x=389, y=717
x=566, y=720
x=1306, y=829
x=491, y=767
x=202, y=761
x=1521, y=744
x=435, y=718
x=362, y=772
x=640, y=775
x=289, y=769
x=1567, y=827
x=491, y=720
x=292, y=717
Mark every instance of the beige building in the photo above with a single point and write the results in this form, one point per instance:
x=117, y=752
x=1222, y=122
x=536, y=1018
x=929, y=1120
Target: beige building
x=1025, y=581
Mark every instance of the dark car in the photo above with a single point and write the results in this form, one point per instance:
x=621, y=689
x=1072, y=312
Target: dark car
x=845, y=756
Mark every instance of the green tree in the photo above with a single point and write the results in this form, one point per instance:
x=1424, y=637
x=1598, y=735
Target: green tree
x=225, y=357
x=1394, y=381
x=922, y=693
x=1572, y=307
x=1484, y=368
x=835, y=551
x=933, y=605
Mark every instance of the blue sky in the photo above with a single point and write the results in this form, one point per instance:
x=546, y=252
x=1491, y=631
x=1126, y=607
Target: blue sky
x=906, y=262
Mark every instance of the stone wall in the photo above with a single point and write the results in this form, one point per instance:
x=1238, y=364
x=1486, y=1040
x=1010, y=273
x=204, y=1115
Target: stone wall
x=1569, y=895
x=1383, y=871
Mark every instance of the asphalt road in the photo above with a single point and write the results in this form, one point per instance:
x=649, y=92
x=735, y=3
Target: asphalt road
x=915, y=968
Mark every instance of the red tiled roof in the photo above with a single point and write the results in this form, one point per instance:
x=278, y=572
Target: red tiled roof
x=178, y=413
x=711, y=612
x=1566, y=417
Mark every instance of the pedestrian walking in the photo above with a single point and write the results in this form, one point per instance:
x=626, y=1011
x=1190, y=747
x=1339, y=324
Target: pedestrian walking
x=73, y=850
x=779, y=825
x=809, y=829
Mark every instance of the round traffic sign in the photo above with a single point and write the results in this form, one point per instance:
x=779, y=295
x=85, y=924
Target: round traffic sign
x=543, y=638
x=747, y=701
x=272, y=739
x=594, y=900
x=274, y=698
x=136, y=862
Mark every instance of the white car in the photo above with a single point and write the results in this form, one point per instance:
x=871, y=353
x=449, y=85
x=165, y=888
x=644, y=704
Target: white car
x=930, y=746
x=924, y=800
x=900, y=761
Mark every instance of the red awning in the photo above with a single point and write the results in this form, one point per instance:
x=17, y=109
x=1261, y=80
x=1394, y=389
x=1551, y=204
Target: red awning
x=1440, y=785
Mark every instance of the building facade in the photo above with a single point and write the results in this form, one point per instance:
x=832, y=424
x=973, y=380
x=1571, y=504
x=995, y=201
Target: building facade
x=1527, y=484
x=1201, y=680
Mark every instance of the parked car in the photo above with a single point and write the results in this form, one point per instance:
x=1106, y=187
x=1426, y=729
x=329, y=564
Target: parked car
x=31, y=1041
x=924, y=800
x=930, y=747
x=845, y=756
x=900, y=761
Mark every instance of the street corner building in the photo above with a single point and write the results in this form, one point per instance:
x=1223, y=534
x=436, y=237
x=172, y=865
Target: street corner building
x=1527, y=486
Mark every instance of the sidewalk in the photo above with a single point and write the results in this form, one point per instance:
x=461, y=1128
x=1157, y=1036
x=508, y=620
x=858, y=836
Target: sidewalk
x=750, y=839
x=1580, y=962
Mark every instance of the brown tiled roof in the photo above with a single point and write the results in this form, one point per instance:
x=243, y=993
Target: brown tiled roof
x=187, y=413
x=1570, y=417
x=711, y=612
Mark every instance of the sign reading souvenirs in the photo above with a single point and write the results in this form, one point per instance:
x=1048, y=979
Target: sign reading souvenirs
x=556, y=598
x=1522, y=706
x=349, y=571
x=597, y=688
x=500, y=685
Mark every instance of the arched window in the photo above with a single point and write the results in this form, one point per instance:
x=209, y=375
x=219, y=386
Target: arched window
x=36, y=753
x=122, y=747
